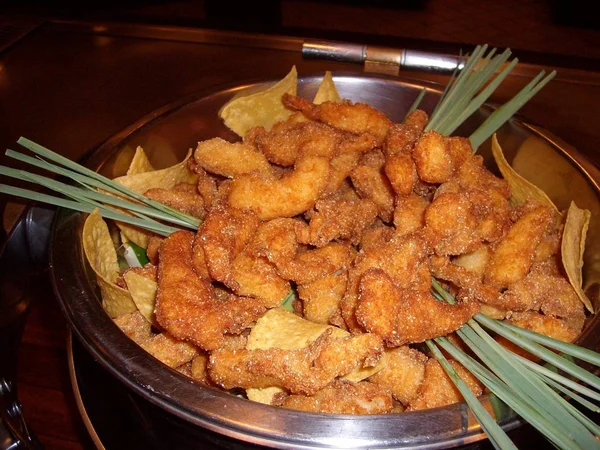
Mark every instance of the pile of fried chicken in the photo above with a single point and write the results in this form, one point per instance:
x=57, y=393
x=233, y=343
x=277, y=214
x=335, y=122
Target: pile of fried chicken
x=356, y=214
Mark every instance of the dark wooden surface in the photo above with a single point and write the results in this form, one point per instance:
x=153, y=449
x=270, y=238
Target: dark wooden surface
x=71, y=91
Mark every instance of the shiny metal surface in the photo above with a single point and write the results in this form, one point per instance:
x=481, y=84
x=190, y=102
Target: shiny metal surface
x=167, y=134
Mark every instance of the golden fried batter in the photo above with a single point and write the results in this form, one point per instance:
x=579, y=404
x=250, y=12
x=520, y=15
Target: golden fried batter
x=230, y=159
x=135, y=326
x=321, y=298
x=303, y=371
x=168, y=350
x=403, y=316
x=547, y=325
x=184, y=197
x=403, y=373
x=337, y=218
x=402, y=137
x=357, y=118
x=187, y=306
x=514, y=255
x=438, y=157
x=292, y=194
x=409, y=213
x=372, y=183
x=343, y=397
x=437, y=388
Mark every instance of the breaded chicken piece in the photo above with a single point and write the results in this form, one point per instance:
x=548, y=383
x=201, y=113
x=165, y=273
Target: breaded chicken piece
x=162, y=346
x=230, y=159
x=183, y=197
x=402, y=137
x=400, y=258
x=303, y=371
x=343, y=397
x=221, y=237
x=321, y=298
x=403, y=373
x=357, y=118
x=337, y=218
x=437, y=388
x=292, y=194
x=514, y=255
x=402, y=316
x=409, y=213
x=401, y=172
x=170, y=351
x=152, y=248
x=187, y=306
x=439, y=157
x=371, y=183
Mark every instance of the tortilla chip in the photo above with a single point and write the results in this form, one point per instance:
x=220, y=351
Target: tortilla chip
x=279, y=328
x=572, y=248
x=140, y=163
x=142, y=181
x=102, y=257
x=327, y=91
x=262, y=108
x=521, y=189
x=143, y=293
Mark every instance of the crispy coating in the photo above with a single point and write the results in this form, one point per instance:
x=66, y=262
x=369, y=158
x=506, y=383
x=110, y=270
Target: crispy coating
x=230, y=159
x=514, y=255
x=372, y=183
x=199, y=370
x=152, y=248
x=343, y=397
x=187, y=306
x=169, y=351
x=292, y=194
x=409, y=213
x=401, y=172
x=438, y=157
x=437, y=388
x=403, y=316
x=206, y=187
x=222, y=236
x=400, y=258
x=357, y=118
x=403, y=373
x=475, y=262
x=337, y=218
x=303, y=371
x=402, y=137
x=321, y=298
x=148, y=271
x=340, y=168
x=184, y=197
x=162, y=346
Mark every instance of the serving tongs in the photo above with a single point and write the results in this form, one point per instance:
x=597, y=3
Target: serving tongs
x=386, y=60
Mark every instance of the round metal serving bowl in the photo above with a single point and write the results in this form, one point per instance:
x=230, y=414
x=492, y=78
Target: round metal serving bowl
x=166, y=135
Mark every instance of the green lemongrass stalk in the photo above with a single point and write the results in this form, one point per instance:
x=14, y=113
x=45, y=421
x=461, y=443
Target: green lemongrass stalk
x=529, y=385
x=475, y=81
x=448, y=85
x=288, y=301
x=507, y=394
x=540, y=351
x=161, y=229
x=455, y=90
x=87, y=194
x=495, y=433
x=576, y=351
x=479, y=100
x=559, y=378
x=506, y=111
x=49, y=154
x=417, y=101
x=572, y=395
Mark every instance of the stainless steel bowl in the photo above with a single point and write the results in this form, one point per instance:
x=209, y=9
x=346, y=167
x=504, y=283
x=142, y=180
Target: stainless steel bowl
x=166, y=135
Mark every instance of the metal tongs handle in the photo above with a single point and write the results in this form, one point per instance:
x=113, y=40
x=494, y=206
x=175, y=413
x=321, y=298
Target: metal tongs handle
x=381, y=59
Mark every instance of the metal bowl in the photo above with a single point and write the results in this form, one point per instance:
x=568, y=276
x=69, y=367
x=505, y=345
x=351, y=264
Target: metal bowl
x=166, y=135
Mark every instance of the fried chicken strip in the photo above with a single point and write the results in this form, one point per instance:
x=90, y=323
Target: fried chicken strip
x=303, y=371
x=187, y=306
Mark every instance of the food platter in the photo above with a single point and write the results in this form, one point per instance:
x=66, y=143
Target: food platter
x=165, y=135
